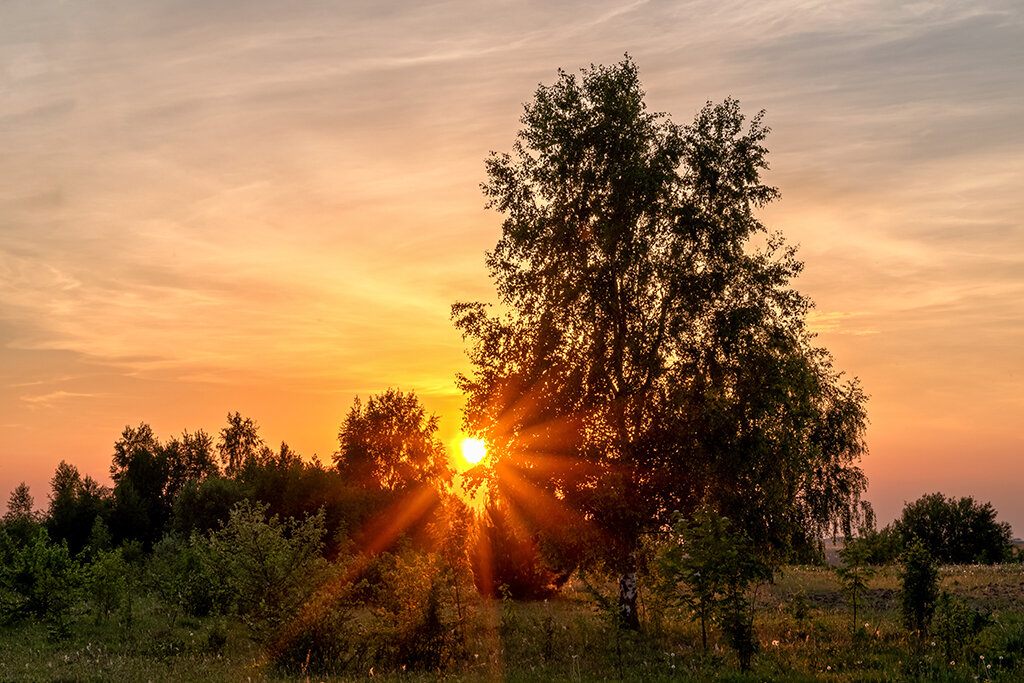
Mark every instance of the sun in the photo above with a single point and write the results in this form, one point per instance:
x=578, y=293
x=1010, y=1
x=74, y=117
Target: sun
x=473, y=450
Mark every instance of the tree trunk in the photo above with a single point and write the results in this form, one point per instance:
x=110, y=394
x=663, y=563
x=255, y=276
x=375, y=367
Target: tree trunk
x=627, y=596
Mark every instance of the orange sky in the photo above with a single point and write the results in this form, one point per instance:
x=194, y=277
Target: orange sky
x=210, y=207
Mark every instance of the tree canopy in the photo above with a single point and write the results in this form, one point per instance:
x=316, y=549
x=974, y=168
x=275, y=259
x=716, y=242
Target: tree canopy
x=955, y=530
x=391, y=443
x=648, y=356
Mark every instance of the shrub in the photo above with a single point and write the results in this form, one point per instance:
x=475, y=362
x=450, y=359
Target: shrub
x=509, y=557
x=956, y=625
x=416, y=626
x=955, y=530
x=40, y=580
x=717, y=565
x=919, y=587
x=269, y=566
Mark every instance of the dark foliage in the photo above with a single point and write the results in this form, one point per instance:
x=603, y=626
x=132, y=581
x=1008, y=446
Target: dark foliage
x=955, y=530
x=507, y=559
x=651, y=359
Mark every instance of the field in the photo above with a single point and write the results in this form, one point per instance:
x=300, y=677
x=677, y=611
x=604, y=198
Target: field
x=803, y=623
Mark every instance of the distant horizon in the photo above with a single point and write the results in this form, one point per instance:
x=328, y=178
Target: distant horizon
x=266, y=209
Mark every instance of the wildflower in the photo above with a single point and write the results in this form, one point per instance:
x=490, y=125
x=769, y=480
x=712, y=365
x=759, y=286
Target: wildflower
x=828, y=668
x=981, y=657
x=988, y=666
x=952, y=662
x=775, y=643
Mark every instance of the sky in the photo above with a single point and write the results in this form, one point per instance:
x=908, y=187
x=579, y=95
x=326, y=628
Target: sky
x=270, y=207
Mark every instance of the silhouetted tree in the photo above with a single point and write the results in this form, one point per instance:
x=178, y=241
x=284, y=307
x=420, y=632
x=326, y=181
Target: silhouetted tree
x=204, y=505
x=239, y=441
x=955, y=530
x=651, y=359
x=391, y=443
x=506, y=558
x=21, y=521
x=139, y=468
x=20, y=503
x=76, y=503
x=189, y=458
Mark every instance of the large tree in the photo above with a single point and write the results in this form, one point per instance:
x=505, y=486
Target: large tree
x=647, y=357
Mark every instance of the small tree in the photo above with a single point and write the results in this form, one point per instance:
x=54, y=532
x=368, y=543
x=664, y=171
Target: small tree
x=268, y=565
x=21, y=521
x=239, y=441
x=41, y=580
x=919, y=588
x=854, y=575
x=717, y=565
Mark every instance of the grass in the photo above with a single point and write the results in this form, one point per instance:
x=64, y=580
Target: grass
x=569, y=639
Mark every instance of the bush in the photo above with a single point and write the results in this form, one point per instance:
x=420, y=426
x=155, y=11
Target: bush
x=416, y=624
x=919, y=588
x=269, y=566
x=717, y=565
x=955, y=530
x=956, y=626
x=39, y=580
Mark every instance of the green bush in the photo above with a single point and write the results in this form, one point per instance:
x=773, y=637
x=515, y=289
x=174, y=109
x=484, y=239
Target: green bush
x=919, y=588
x=40, y=580
x=268, y=566
x=717, y=566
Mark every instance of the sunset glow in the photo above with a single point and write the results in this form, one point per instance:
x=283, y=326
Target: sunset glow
x=473, y=450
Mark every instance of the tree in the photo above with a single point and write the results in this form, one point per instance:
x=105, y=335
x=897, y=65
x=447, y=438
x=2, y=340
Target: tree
x=391, y=443
x=189, y=458
x=239, y=441
x=955, y=530
x=20, y=504
x=21, y=521
x=76, y=503
x=717, y=564
x=919, y=588
x=139, y=468
x=854, y=575
x=649, y=358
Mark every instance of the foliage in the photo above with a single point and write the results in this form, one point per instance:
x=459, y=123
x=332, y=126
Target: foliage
x=956, y=530
x=39, y=580
x=956, y=626
x=878, y=546
x=106, y=581
x=269, y=566
x=189, y=459
x=415, y=628
x=75, y=505
x=649, y=356
x=391, y=443
x=717, y=565
x=854, y=575
x=239, y=442
x=919, y=588
x=507, y=559
x=21, y=521
x=203, y=506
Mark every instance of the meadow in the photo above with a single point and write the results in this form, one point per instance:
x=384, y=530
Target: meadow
x=803, y=624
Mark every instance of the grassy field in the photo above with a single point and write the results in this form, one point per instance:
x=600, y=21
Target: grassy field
x=803, y=623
